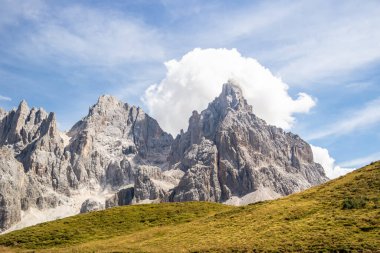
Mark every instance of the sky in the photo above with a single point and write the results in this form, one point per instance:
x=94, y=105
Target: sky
x=310, y=67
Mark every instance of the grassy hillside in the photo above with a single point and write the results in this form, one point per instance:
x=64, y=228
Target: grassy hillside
x=341, y=215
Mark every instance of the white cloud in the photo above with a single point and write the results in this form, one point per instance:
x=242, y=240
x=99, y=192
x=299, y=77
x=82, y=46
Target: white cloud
x=92, y=37
x=4, y=98
x=358, y=119
x=197, y=78
x=321, y=156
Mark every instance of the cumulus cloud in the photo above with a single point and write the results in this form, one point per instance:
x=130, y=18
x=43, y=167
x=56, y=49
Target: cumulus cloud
x=322, y=156
x=197, y=78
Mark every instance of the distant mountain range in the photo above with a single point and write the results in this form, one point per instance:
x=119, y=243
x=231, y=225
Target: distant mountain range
x=119, y=155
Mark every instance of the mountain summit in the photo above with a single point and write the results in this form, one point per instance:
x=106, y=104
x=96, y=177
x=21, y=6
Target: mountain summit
x=228, y=154
x=119, y=155
x=232, y=97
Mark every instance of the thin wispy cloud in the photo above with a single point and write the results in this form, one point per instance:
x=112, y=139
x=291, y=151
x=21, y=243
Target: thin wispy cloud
x=181, y=9
x=359, y=119
x=338, y=46
x=250, y=21
x=80, y=35
x=304, y=45
x=361, y=161
x=4, y=98
x=13, y=12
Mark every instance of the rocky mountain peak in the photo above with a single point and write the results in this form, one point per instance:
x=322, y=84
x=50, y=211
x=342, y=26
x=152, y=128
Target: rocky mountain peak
x=107, y=105
x=232, y=97
x=232, y=89
x=20, y=126
x=50, y=126
x=26, y=116
x=23, y=126
x=227, y=152
x=108, y=101
x=21, y=114
x=2, y=113
x=111, y=139
x=23, y=107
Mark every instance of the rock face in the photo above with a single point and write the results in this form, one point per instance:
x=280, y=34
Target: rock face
x=200, y=181
x=42, y=166
x=29, y=140
x=153, y=185
x=107, y=144
x=227, y=151
x=91, y=205
x=121, y=198
x=11, y=180
x=120, y=154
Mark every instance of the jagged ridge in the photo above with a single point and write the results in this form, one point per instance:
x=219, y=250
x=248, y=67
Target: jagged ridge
x=234, y=153
x=119, y=155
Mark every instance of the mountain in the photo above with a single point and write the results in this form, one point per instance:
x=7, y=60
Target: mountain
x=31, y=154
x=107, y=145
x=119, y=155
x=45, y=169
x=341, y=215
x=228, y=153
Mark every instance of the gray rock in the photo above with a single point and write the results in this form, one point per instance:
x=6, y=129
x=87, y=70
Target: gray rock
x=106, y=144
x=200, y=181
x=250, y=154
x=91, y=205
x=125, y=196
x=3, y=113
x=103, y=150
x=34, y=145
x=147, y=184
x=122, y=198
x=11, y=179
x=112, y=201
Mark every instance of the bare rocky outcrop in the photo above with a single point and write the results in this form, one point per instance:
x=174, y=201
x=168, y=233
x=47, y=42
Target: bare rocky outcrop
x=122, y=198
x=33, y=136
x=106, y=144
x=153, y=185
x=90, y=205
x=200, y=181
x=11, y=184
x=30, y=140
x=3, y=113
x=243, y=154
x=20, y=127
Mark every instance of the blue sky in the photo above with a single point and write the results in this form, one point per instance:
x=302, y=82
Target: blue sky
x=62, y=55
